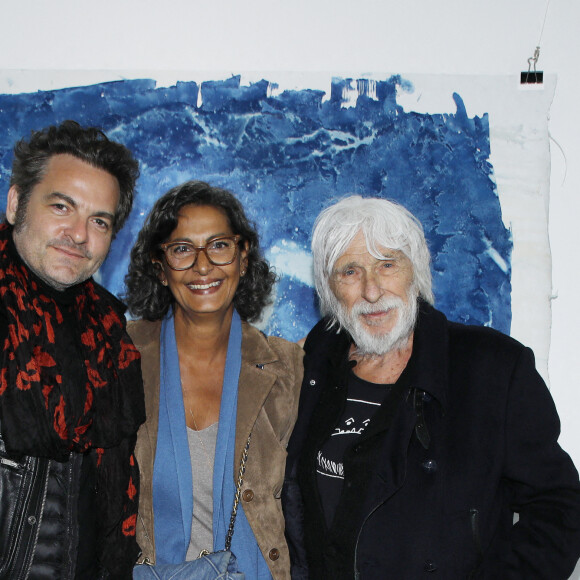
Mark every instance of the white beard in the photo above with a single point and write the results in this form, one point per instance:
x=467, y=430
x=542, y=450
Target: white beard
x=379, y=344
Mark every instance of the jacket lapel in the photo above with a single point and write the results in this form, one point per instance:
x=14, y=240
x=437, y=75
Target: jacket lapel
x=150, y=365
x=255, y=384
x=145, y=335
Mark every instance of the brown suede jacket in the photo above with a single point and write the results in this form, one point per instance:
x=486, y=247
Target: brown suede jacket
x=268, y=394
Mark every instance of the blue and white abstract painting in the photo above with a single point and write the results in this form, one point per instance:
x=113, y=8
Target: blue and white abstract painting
x=287, y=155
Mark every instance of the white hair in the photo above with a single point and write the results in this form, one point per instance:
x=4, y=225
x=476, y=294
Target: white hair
x=377, y=344
x=384, y=224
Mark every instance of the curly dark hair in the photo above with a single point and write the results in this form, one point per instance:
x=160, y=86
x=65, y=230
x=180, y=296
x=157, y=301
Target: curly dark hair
x=147, y=298
x=89, y=144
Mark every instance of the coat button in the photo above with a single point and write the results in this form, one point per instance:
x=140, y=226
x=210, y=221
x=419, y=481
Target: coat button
x=31, y=520
x=430, y=566
x=248, y=495
x=429, y=465
x=312, y=382
x=274, y=554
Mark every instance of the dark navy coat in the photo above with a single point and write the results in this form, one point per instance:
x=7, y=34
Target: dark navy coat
x=473, y=442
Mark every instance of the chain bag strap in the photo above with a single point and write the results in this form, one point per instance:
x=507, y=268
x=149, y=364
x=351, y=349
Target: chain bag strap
x=241, y=472
x=209, y=565
x=239, y=482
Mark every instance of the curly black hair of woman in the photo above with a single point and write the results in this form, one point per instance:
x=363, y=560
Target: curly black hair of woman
x=147, y=298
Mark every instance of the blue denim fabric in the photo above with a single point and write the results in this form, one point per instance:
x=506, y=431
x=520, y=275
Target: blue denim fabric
x=215, y=566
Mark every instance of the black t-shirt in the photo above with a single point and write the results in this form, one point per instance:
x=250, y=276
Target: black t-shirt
x=362, y=401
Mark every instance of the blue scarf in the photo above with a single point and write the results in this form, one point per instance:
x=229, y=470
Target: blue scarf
x=172, y=478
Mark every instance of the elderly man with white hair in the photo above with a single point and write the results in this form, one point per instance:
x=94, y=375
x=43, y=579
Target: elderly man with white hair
x=423, y=447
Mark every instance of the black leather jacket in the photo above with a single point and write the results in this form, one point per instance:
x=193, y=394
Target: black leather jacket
x=38, y=506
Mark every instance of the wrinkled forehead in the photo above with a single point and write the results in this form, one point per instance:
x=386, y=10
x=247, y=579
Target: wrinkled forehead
x=363, y=249
x=367, y=261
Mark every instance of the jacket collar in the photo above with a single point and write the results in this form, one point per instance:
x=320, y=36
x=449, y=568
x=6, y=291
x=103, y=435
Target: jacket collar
x=429, y=359
x=430, y=353
x=256, y=380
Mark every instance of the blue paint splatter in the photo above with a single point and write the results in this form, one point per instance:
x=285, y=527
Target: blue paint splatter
x=289, y=156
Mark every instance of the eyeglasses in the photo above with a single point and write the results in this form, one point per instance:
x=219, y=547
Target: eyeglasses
x=183, y=255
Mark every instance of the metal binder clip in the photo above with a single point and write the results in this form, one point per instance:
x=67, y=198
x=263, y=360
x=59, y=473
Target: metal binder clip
x=532, y=76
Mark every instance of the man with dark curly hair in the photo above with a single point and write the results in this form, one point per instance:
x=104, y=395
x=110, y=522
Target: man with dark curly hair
x=71, y=396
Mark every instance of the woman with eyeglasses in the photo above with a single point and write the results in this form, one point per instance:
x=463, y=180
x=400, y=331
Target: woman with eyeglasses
x=212, y=383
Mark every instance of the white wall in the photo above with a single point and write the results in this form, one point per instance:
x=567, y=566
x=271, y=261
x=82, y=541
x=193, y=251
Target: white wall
x=345, y=37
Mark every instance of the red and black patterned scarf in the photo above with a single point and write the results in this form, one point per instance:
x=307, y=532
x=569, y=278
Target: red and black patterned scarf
x=46, y=414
